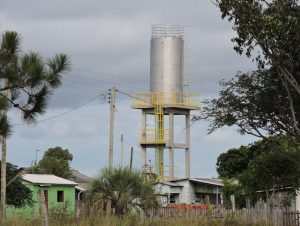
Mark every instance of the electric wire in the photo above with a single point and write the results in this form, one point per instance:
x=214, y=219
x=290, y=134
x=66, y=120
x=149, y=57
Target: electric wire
x=68, y=111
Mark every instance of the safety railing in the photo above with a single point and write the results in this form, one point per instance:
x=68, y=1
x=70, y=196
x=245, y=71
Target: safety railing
x=154, y=136
x=149, y=99
x=164, y=171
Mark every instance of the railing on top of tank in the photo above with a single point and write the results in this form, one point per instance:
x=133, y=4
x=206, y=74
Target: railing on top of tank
x=149, y=99
x=162, y=30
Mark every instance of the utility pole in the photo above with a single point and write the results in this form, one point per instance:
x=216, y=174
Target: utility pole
x=112, y=95
x=35, y=163
x=3, y=165
x=122, y=150
x=131, y=157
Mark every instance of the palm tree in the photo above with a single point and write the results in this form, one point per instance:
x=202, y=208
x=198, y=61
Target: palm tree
x=126, y=189
x=26, y=82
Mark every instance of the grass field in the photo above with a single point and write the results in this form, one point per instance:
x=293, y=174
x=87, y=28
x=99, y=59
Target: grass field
x=134, y=221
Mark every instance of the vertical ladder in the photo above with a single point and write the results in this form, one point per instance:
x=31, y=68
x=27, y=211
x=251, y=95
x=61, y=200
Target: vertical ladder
x=159, y=137
x=159, y=123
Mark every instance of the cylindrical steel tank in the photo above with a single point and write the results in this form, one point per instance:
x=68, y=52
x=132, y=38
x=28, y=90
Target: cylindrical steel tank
x=166, y=60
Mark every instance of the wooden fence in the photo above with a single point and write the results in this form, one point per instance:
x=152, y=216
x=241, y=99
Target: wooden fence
x=291, y=218
x=274, y=217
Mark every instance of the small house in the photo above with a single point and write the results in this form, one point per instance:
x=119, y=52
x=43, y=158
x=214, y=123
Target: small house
x=58, y=194
x=190, y=191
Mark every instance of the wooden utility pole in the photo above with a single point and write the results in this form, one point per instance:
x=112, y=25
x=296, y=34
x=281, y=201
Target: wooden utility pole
x=112, y=95
x=3, y=165
x=131, y=157
x=122, y=150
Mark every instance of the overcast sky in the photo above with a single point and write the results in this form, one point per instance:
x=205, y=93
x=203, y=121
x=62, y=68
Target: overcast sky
x=109, y=44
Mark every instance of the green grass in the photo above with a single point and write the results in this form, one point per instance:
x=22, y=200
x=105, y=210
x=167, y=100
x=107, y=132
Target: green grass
x=134, y=221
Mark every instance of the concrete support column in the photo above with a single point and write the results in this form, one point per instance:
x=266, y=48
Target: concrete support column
x=144, y=157
x=171, y=142
x=187, y=142
x=144, y=150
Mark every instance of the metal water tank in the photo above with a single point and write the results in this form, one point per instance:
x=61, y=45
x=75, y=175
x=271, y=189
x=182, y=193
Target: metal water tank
x=167, y=59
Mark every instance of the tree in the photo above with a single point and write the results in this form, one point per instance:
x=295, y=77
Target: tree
x=265, y=101
x=27, y=81
x=269, y=30
x=56, y=161
x=266, y=165
x=127, y=189
x=18, y=194
x=256, y=103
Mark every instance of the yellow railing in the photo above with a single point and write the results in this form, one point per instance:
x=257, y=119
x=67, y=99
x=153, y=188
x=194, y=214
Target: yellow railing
x=154, y=136
x=149, y=169
x=165, y=98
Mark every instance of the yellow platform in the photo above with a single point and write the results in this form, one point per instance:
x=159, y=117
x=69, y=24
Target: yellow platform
x=149, y=99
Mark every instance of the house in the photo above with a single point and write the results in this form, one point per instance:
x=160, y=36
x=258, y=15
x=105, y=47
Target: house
x=190, y=191
x=59, y=195
x=83, y=182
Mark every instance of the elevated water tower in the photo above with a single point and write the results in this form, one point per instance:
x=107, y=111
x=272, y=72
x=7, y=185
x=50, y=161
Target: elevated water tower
x=165, y=100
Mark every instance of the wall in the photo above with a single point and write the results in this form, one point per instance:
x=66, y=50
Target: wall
x=187, y=193
x=29, y=212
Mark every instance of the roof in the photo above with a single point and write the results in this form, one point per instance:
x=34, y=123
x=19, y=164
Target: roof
x=46, y=179
x=78, y=177
x=216, y=182
x=82, y=180
x=169, y=184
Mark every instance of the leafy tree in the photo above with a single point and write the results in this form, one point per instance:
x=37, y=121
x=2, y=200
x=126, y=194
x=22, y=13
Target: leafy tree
x=266, y=100
x=269, y=30
x=234, y=161
x=17, y=193
x=255, y=102
x=127, y=189
x=266, y=165
x=232, y=188
x=55, y=161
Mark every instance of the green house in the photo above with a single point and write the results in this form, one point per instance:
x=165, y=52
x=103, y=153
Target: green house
x=59, y=195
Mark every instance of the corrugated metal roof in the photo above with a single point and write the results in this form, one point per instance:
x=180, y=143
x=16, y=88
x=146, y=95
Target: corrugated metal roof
x=217, y=182
x=208, y=181
x=46, y=179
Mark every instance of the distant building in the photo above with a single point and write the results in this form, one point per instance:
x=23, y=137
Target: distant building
x=190, y=191
x=83, y=182
x=59, y=194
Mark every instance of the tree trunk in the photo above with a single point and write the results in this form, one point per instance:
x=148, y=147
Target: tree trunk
x=3, y=166
x=3, y=179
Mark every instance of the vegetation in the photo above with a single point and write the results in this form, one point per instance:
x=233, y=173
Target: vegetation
x=27, y=78
x=266, y=165
x=265, y=101
x=267, y=31
x=26, y=81
x=131, y=220
x=17, y=193
x=126, y=189
x=55, y=161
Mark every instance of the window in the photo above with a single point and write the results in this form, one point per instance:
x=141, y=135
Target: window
x=60, y=196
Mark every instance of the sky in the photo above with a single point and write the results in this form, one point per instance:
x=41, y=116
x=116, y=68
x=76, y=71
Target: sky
x=109, y=45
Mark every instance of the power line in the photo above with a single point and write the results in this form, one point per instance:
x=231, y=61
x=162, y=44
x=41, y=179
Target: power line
x=107, y=75
x=67, y=112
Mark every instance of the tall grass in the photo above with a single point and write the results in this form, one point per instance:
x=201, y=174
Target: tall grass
x=132, y=220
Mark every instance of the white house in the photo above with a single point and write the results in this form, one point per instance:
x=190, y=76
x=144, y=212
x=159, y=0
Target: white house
x=190, y=191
